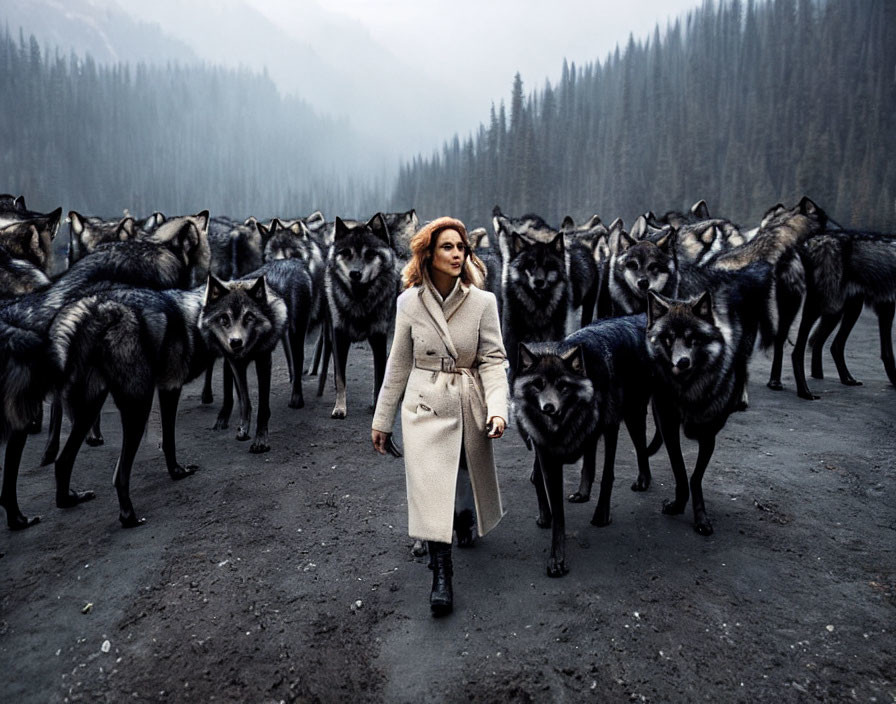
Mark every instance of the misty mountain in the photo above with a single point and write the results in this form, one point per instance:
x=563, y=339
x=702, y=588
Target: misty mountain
x=98, y=27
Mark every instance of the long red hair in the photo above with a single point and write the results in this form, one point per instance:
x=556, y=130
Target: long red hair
x=423, y=245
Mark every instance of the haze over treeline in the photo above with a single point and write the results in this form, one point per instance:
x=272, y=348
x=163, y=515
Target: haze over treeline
x=741, y=104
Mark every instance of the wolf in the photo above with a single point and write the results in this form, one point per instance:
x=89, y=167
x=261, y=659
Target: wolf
x=569, y=394
x=290, y=280
x=32, y=238
x=845, y=269
x=128, y=342
x=19, y=276
x=639, y=266
x=361, y=285
x=86, y=233
x=700, y=348
x=236, y=248
x=402, y=227
x=777, y=242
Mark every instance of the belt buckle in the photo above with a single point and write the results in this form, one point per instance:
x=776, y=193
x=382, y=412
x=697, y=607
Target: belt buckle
x=448, y=365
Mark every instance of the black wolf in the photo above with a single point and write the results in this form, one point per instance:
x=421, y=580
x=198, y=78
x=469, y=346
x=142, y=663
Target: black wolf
x=236, y=247
x=86, y=233
x=639, y=266
x=361, y=283
x=31, y=238
x=846, y=270
x=700, y=349
x=569, y=394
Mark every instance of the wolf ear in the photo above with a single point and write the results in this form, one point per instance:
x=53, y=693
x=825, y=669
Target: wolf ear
x=276, y=225
x=263, y=231
x=202, y=219
x=378, y=224
x=340, y=229
x=19, y=203
x=557, y=244
x=665, y=243
x=214, y=289
x=32, y=240
x=574, y=360
x=656, y=307
x=639, y=228
x=258, y=290
x=703, y=308
x=76, y=222
x=517, y=243
x=700, y=210
x=526, y=359
x=624, y=242
x=568, y=223
x=300, y=228
x=709, y=235
x=126, y=229
x=593, y=222
x=53, y=223
x=315, y=220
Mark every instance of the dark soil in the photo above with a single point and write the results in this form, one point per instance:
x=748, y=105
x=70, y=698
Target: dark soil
x=288, y=576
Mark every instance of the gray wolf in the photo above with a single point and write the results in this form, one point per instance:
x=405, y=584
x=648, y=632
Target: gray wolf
x=569, y=394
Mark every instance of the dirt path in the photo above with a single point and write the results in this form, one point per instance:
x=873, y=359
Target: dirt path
x=288, y=576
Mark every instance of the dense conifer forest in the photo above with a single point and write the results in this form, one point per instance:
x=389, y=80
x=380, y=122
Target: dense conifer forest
x=743, y=104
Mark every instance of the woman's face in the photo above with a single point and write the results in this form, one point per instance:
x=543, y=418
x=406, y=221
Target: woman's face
x=449, y=254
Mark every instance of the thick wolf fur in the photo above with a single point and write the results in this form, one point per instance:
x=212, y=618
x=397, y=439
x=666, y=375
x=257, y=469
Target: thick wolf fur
x=361, y=284
x=846, y=270
x=129, y=342
x=289, y=279
x=27, y=375
x=31, y=238
x=86, y=233
x=639, y=266
x=700, y=349
x=235, y=247
x=569, y=394
x=778, y=242
x=19, y=276
x=490, y=255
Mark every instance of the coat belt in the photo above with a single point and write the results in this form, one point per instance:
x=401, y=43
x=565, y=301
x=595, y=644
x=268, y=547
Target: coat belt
x=442, y=364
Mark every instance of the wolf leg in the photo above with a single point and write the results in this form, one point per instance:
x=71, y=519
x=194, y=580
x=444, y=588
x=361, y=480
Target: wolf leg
x=788, y=306
x=704, y=454
x=885, y=312
x=51, y=449
x=287, y=352
x=95, y=435
x=223, y=419
x=851, y=312
x=798, y=356
x=318, y=350
x=823, y=330
x=601, y=515
x=9, y=497
x=544, y=507
x=242, y=391
x=670, y=424
x=378, y=346
x=552, y=472
x=82, y=419
x=297, y=344
x=263, y=374
x=636, y=422
x=133, y=425
x=589, y=460
x=208, y=395
x=341, y=344
x=168, y=400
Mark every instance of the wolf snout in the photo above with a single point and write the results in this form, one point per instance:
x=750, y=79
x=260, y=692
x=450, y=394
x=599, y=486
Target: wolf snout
x=538, y=283
x=355, y=275
x=643, y=284
x=549, y=409
x=236, y=343
x=682, y=364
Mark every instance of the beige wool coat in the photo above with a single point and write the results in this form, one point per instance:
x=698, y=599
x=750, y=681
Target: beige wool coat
x=446, y=370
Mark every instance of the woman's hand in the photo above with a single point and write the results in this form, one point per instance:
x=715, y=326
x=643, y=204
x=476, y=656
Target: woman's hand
x=379, y=440
x=496, y=426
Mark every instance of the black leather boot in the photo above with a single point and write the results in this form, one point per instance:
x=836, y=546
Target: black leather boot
x=441, y=600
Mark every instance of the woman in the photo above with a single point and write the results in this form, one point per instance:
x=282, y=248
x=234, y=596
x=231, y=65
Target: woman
x=447, y=363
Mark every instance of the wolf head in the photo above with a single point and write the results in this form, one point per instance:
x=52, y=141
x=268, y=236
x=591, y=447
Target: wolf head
x=361, y=253
x=237, y=316
x=187, y=237
x=88, y=233
x=538, y=267
x=795, y=224
x=683, y=337
x=292, y=242
x=553, y=398
x=646, y=266
x=32, y=239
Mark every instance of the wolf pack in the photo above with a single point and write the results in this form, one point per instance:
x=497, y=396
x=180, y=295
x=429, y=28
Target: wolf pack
x=664, y=315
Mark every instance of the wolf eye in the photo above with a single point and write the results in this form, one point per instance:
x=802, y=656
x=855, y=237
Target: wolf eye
x=369, y=255
x=249, y=318
x=688, y=341
x=224, y=319
x=631, y=264
x=538, y=383
x=562, y=387
x=345, y=253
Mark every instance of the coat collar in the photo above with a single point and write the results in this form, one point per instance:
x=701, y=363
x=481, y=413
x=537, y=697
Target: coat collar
x=441, y=312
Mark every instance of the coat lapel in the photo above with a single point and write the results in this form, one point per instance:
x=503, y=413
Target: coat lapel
x=438, y=318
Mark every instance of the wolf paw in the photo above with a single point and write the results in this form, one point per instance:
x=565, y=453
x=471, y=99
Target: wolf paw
x=207, y=398
x=703, y=526
x=850, y=381
x=543, y=521
x=129, y=519
x=73, y=498
x=775, y=385
x=242, y=435
x=807, y=395
x=259, y=446
x=673, y=508
x=179, y=471
x=578, y=498
x=95, y=441
x=557, y=568
x=21, y=522
x=221, y=424
x=295, y=402
x=338, y=414
x=641, y=483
